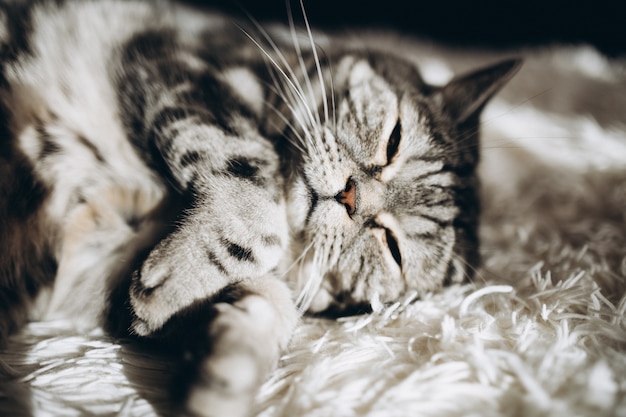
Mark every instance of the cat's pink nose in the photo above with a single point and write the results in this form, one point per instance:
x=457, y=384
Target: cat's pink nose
x=347, y=197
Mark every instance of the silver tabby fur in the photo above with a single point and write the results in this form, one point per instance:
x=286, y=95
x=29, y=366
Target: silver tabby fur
x=174, y=177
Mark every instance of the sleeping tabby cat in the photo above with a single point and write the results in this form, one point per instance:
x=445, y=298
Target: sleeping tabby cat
x=191, y=183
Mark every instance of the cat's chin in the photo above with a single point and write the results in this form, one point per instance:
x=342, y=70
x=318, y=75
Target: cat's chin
x=321, y=302
x=324, y=304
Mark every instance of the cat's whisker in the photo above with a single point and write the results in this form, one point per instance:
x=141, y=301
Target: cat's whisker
x=288, y=138
x=272, y=71
x=268, y=38
x=296, y=88
x=514, y=107
x=278, y=88
x=312, y=285
x=504, y=143
x=317, y=61
x=477, y=274
x=319, y=265
x=289, y=97
x=511, y=110
x=303, y=68
x=300, y=259
x=295, y=143
x=299, y=143
x=332, y=94
x=302, y=134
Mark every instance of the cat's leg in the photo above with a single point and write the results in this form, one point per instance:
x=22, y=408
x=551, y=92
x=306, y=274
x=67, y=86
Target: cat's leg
x=235, y=232
x=246, y=339
x=228, y=243
x=203, y=133
x=234, y=235
x=200, y=130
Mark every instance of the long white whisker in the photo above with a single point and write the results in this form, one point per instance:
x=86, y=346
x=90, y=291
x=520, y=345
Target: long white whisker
x=295, y=83
x=313, y=282
x=268, y=38
x=303, y=68
x=513, y=108
x=300, y=258
x=286, y=94
x=278, y=89
x=304, y=141
x=478, y=274
x=291, y=79
x=289, y=98
x=332, y=89
x=317, y=61
x=332, y=95
x=301, y=144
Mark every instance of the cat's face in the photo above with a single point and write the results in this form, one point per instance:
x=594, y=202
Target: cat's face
x=389, y=183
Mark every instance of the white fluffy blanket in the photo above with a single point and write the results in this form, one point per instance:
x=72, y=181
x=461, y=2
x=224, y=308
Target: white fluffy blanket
x=541, y=331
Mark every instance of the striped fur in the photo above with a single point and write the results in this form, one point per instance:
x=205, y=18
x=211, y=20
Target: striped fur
x=176, y=178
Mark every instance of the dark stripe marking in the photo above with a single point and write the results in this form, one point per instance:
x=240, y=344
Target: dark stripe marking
x=150, y=45
x=441, y=223
x=422, y=236
x=242, y=167
x=359, y=273
x=248, y=169
x=271, y=240
x=239, y=252
x=437, y=200
x=215, y=261
x=190, y=158
x=49, y=148
x=170, y=115
x=96, y=152
x=314, y=199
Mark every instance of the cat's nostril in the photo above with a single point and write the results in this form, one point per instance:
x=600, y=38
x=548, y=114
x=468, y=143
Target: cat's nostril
x=347, y=197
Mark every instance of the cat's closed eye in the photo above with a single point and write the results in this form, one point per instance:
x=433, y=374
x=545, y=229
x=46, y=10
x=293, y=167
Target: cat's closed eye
x=388, y=239
x=392, y=244
x=393, y=143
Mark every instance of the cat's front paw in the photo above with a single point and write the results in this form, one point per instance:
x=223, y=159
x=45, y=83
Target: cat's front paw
x=220, y=242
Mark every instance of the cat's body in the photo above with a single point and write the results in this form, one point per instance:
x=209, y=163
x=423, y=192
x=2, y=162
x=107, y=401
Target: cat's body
x=168, y=177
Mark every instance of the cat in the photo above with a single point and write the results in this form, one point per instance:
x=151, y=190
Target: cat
x=198, y=184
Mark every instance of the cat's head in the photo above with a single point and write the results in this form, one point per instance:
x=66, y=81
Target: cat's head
x=387, y=194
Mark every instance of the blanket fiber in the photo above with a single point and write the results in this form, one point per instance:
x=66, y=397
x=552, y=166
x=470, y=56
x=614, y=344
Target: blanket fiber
x=540, y=332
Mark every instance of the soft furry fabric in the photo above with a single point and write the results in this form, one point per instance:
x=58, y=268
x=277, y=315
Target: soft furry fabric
x=541, y=331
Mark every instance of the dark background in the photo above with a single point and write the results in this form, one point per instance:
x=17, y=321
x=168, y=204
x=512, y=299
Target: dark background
x=492, y=23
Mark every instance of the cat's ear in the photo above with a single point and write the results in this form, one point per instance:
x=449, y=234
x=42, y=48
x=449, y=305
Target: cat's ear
x=465, y=96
